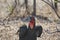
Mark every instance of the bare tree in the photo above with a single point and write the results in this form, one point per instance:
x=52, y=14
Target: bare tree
x=53, y=6
x=34, y=7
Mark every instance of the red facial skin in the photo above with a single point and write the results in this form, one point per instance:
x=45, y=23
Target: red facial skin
x=31, y=23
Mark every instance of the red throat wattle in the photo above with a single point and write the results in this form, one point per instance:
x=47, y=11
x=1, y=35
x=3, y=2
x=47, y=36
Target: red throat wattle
x=32, y=22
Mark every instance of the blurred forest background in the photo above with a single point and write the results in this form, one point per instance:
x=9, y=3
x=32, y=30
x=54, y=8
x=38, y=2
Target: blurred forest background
x=15, y=13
